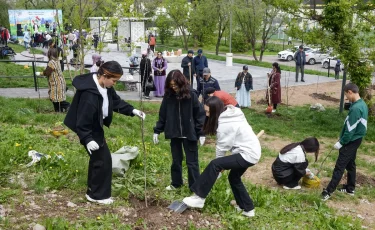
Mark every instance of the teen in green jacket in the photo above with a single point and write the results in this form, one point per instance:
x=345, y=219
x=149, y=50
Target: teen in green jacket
x=355, y=127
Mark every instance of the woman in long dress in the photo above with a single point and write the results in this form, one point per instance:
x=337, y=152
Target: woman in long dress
x=243, y=84
x=159, y=65
x=274, y=86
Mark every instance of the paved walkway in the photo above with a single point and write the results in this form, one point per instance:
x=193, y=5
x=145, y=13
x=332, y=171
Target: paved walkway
x=224, y=74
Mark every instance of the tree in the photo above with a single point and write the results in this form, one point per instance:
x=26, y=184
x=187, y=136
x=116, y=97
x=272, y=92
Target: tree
x=165, y=29
x=178, y=11
x=222, y=11
x=4, y=18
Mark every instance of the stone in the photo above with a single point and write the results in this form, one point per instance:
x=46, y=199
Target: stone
x=71, y=205
x=39, y=227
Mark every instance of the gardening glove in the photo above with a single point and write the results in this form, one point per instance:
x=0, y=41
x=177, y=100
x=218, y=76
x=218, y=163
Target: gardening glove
x=202, y=140
x=139, y=113
x=155, y=138
x=37, y=74
x=337, y=145
x=92, y=146
x=311, y=175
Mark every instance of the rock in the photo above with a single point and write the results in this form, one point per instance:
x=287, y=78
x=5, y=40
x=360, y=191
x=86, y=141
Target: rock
x=318, y=107
x=360, y=216
x=39, y=227
x=190, y=217
x=71, y=205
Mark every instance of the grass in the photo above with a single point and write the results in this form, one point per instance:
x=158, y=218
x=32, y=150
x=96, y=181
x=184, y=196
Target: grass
x=20, y=48
x=25, y=124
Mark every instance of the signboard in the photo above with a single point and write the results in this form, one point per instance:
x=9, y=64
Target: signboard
x=37, y=21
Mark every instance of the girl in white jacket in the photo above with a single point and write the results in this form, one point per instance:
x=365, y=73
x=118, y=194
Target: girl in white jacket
x=233, y=134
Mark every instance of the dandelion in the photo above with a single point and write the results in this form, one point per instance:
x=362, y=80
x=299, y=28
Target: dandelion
x=50, y=167
x=30, y=147
x=17, y=144
x=141, y=164
x=76, y=170
x=66, y=164
x=48, y=156
x=98, y=218
x=156, y=195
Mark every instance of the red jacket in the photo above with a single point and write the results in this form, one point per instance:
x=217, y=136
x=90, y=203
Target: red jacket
x=152, y=41
x=226, y=98
x=5, y=34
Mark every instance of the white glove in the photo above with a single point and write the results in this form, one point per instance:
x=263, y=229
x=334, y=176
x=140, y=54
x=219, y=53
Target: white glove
x=155, y=138
x=139, y=113
x=92, y=146
x=37, y=73
x=337, y=145
x=311, y=175
x=202, y=140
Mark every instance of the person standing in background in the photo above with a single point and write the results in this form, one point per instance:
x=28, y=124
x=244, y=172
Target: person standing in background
x=243, y=84
x=200, y=63
x=159, y=65
x=300, y=59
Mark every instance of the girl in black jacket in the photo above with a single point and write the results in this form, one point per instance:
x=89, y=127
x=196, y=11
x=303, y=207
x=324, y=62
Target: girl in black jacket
x=93, y=107
x=181, y=118
x=291, y=164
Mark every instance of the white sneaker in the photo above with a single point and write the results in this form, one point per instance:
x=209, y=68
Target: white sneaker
x=274, y=110
x=170, y=188
x=250, y=213
x=238, y=209
x=194, y=201
x=104, y=201
x=295, y=188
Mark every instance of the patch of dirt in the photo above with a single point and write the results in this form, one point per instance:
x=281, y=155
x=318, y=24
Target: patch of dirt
x=367, y=158
x=302, y=95
x=364, y=180
x=261, y=174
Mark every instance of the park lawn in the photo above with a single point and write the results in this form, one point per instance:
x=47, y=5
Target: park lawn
x=20, y=48
x=25, y=124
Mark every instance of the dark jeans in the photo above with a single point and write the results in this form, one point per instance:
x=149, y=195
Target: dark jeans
x=152, y=48
x=302, y=69
x=99, y=178
x=191, y=152
x=346, y=160
x=274, y=106
x=289, y=181
x=337, y=75
x=61, y=106
x=237, y=166
x=62, y=65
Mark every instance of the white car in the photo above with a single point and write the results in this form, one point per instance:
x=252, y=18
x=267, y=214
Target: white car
x=315, y=56
x=288, y=54
x=326, y=63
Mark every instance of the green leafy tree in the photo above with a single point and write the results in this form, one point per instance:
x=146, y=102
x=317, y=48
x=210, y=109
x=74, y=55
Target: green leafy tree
x=4, y=18
x=165, y=28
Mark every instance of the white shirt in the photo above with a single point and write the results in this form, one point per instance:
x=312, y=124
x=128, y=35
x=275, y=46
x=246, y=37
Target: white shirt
x=103, y=92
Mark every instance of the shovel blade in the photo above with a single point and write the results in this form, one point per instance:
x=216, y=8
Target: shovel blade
x=178, y=206
x=174, y=205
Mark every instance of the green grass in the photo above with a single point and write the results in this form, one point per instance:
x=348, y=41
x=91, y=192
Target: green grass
x=20, y=48
x=25, y=124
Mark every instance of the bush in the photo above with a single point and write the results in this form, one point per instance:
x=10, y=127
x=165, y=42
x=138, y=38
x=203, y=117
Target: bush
x=239, y=43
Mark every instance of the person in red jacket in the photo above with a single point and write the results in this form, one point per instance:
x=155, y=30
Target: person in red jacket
x=225, y=97
x=152, y=42
x=5, y=36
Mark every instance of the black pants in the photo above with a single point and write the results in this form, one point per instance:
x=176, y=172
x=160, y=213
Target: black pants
x=346, y=160
x=191, y=152
x=152, y=48
x=62, y=65
x=274, y=106
x=99, y=178
x=61, y=106
x=237, y=166
x=289, y=181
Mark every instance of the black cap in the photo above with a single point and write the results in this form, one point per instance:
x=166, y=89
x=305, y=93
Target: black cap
x=301, y=46
x=245, y=67
x=190, y=52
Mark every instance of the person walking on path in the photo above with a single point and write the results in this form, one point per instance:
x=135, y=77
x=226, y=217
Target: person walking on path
x=159, y=65
x=291, y=163
x=26, y=39
x=337, y=69
x=96, y=63
x=181, y=118
x=352, y=133
x=225, y=97
x=92, y=108
x=274, y=86
x=243, y=84
x=188, y=67
x=146, y=71
x=233, y=134
x=300, y=59
x=200, y=63
x=152, y=42
x=206, y=82
x=56, y=82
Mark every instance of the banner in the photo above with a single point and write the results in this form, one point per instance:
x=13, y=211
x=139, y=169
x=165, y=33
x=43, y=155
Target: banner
x=37, y=21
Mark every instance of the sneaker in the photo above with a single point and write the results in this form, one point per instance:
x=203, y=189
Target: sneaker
x=325, y=195
x=295, y=188
x=274, y=111
x=194, y=201
x=250, y=213
x=303, y=80
x=104, y=201
x=147, y=97
x=170, y=188
x=238, y=209
x=345, y=190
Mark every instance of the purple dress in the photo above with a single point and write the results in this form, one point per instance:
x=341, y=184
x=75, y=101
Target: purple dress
x=159, y=76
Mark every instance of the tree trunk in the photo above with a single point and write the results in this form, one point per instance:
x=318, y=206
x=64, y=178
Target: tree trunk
x=253, y=48
x=262, y=48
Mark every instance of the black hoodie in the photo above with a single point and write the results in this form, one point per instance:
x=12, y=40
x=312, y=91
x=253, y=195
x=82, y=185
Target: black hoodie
x=85, y=115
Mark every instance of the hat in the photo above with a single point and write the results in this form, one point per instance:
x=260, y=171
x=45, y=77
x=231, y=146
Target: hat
x=245, y=67
x=206, y=71
x=190, y=52
x=144, y=52
x=210, y=90
x=301, y=46
x=200, y=51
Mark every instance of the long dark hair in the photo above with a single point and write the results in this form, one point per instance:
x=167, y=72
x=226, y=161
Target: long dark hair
x=181, y=82
x=110, y=69
x=276, y=65
x=310, y=145
x=216, y=107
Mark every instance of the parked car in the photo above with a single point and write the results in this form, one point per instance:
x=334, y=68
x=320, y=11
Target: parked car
x=288, y=54
x=331, y=64
x=315, y=56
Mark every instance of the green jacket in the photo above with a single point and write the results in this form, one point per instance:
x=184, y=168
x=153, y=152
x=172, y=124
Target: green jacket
x=355, y=125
